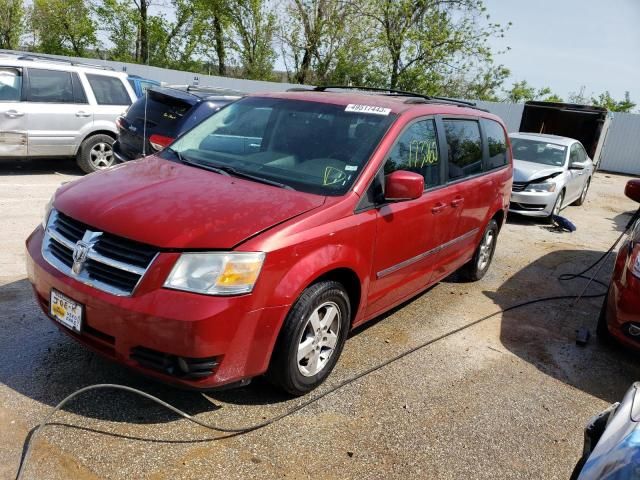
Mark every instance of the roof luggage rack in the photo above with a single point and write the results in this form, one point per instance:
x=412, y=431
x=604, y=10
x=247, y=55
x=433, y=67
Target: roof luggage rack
x=43, y=58
x=413, y=96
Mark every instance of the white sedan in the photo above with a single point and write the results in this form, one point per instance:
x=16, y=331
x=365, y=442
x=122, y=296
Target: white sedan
x=549, y=173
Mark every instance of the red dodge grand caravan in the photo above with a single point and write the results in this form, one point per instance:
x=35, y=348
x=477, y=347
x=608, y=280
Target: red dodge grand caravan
x=258, y=239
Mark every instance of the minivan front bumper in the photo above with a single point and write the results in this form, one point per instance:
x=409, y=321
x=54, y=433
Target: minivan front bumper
x=171, y=335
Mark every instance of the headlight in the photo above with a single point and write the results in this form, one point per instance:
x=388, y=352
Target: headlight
x=541, y=187
x=216, y=273
x=47, y=211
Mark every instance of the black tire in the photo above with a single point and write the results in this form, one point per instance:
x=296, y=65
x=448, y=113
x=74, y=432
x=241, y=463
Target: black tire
x=285, y=370
x=557, y=207
x=602, y=329
x=583, y=194
x=475, y=269
x=90, y=159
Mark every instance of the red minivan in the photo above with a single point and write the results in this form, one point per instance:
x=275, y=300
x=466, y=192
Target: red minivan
x=260, y=238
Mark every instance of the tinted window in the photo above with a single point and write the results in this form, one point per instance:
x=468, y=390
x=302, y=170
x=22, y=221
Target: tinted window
x=417, y=151
x=164, y=112
x=108, y=90
x=465, y=148
x=309, y=146
x=575, y=153
x=50, y=86
x=497, y=143
x=10, y=84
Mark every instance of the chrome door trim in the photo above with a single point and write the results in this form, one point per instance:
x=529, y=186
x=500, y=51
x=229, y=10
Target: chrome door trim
x=428, y=253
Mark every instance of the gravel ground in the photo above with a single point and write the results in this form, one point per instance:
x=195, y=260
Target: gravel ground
x=506, y=398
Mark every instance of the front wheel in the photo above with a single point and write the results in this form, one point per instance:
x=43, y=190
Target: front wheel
x=556, y=207
x=311, y=339
x=478, y=266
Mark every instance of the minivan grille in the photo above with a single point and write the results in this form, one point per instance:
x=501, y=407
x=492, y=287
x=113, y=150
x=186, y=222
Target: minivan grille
x=105, y=261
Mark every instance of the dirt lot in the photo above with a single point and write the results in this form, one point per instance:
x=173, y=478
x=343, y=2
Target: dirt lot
x=507, y=398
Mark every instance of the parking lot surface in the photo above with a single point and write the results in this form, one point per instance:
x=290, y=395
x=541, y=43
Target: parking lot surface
x=506, y=398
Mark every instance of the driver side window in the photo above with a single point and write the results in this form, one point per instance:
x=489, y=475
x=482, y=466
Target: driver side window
x=417, y=151
x=575, y=154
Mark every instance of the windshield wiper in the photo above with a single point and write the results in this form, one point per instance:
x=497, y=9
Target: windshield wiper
x=256, y=178
x=204, y=166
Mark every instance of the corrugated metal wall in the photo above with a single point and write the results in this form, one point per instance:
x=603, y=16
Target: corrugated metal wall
x=511, y=113
x=621, y=153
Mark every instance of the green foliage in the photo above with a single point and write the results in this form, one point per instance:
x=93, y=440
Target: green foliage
x=63, y=27
x=11, y=23
x=523, y=92
x=605, y=100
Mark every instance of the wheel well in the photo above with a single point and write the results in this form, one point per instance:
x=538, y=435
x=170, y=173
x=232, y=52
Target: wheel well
x=499, y=218
x=97, y=132
x=351, y=283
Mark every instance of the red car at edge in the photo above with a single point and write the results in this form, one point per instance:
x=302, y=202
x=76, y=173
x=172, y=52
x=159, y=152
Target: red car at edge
x=620, y=315
x=257, y=240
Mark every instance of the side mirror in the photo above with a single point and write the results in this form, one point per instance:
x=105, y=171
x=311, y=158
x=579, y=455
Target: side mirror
x=403, y=185
x=578, y=165
x=632, y=190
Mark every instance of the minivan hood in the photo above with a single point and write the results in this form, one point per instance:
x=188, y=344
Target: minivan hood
x=527, y=171
x=171, y=205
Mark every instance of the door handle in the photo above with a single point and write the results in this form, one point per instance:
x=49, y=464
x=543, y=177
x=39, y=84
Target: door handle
x=82, y=113
x=456, y=202
x=13, y=113
x=438, y=207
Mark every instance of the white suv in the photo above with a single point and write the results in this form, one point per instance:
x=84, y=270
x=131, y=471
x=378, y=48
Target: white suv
x=59, y=108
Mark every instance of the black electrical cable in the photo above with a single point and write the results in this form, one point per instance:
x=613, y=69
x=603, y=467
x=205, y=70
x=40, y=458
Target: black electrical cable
x=249, y=428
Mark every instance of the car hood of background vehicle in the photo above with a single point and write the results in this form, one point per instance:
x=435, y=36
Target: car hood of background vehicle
x=171, y=205
x=528, y=171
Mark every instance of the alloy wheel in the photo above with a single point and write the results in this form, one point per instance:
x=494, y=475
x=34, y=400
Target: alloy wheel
x=319, y=339
x=101, y=155
x=486, y=249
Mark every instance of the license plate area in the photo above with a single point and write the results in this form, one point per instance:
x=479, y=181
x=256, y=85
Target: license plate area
x=66, y=311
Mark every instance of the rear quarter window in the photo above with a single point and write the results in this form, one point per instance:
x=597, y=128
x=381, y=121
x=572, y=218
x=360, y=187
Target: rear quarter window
x=108, y=90
x=496, y=144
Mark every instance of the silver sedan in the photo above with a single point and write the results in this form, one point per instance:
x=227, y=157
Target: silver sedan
x=549, y=173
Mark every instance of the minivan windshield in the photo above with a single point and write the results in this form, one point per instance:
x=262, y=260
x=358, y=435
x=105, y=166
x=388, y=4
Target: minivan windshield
x=538, y=151
x=308, y=146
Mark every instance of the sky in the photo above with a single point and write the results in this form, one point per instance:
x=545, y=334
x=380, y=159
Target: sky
x=564, y=44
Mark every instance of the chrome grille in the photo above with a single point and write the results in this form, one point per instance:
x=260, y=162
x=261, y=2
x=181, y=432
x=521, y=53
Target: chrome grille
x=518, y=186
x=105, y=261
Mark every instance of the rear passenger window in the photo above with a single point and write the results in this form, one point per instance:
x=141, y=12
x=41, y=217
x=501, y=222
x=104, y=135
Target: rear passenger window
x=497, y=144
x=465, y=148
x=108, y=90
x=10, y=84
x=417, y=151
x=50, y=86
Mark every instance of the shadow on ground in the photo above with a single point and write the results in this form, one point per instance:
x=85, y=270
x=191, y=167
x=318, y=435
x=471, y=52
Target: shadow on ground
x=544, y=334
x=39, y=166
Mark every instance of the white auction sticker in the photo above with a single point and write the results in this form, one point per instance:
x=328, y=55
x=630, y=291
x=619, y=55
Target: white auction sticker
x=372, y=109
x=351, y=168
x=555, y=147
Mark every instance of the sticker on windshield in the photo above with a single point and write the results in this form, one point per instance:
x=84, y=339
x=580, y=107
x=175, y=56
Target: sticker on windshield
x=372, y=109
x=351, y=168
x=555, y=147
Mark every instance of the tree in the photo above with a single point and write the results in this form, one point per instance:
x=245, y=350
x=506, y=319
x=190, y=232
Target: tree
x=606, y=100
x=254, y=28
x=523, y=92
x=62, y=27
x=120, y=20
x=424, y=41
x=11, y=23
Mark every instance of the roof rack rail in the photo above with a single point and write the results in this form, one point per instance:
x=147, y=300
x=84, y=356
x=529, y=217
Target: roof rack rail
x=392, y=91
x=44, y=58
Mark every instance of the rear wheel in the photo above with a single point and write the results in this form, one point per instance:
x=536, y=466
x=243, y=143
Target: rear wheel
x=311, y=339
x=96, y=153
x=583, y=195
x=478, y=266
